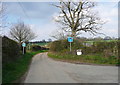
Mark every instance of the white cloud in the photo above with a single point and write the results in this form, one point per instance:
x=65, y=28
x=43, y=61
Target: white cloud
x=44, y=32
x=109, y=12
x=42, y=14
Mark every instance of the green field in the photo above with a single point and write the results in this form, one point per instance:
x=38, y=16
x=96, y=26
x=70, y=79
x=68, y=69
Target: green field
x=101, y=41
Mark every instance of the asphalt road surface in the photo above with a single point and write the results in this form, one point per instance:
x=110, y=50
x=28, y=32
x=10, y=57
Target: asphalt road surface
x=46, y=70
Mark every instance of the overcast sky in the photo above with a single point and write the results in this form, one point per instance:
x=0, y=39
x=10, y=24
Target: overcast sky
x=39, y=15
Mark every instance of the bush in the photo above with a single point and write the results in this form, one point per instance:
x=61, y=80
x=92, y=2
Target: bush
x=36, y=48
x=64, y=46
x=87, y=50
x=107, y=49
x=107, y=53
x=10, y=50
x=56, y=46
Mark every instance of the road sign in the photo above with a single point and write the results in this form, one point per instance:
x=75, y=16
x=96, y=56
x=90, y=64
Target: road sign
x=70, y=39
x=24, y=44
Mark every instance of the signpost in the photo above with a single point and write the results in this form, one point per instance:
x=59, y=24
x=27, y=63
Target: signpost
x=70, y=39
x=23, y=45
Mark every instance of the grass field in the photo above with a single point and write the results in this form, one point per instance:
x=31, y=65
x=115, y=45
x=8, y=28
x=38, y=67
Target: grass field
x=15, y=70
x=101, y=41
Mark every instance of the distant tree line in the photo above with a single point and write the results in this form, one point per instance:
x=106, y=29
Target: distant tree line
x=98, y=38
x=42, y=41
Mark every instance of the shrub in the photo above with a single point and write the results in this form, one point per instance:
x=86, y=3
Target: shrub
x=107, y=53
x=37, y=48
x=107, y=49
x=64, y=46
x=87, y=50
x=101, y=46
x=56, y=46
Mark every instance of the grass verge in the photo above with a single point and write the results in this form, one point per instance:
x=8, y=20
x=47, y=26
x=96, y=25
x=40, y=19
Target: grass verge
x=85, y=59
x=15, y=70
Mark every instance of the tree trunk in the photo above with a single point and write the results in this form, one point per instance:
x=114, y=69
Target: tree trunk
x=73, y=34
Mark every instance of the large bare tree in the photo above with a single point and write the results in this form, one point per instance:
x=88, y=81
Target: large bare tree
x=60, y=34
x=78, y=16
x=21, y=32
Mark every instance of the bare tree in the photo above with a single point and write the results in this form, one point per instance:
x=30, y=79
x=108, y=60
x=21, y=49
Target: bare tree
x=60, y=34
x=78, y=16
x=21, y=32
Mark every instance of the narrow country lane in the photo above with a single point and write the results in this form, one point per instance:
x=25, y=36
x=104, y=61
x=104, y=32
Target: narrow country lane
x=46, y=70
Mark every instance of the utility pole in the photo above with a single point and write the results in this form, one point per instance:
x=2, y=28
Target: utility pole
x=70, y=46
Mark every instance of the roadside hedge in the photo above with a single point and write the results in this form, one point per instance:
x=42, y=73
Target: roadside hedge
x=104, y=48
x=64, y=46
x=10, y=50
